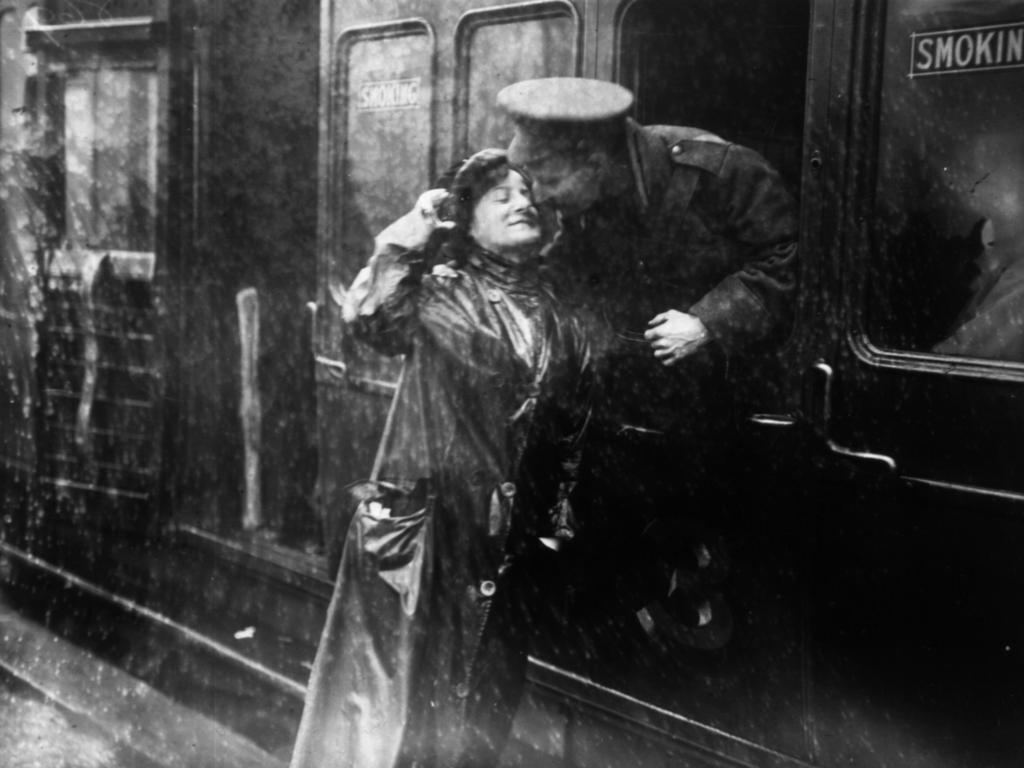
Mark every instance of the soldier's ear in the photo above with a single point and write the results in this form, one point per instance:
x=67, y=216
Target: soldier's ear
x=597, y=158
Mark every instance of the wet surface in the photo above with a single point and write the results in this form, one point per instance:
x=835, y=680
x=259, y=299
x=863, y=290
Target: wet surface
x=37, y=733
x=62, y=706
x=182, y=671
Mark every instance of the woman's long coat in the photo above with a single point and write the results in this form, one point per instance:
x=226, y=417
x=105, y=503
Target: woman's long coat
x=423, y=655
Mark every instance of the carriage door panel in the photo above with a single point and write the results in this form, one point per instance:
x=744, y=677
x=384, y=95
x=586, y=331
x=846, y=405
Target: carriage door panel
x=379, y=159
x=737, y=69
x=917, y=562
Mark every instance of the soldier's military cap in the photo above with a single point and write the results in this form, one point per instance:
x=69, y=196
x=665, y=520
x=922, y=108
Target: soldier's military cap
x=553, y=113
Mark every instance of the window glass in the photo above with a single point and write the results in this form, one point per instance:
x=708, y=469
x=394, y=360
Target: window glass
x=947, y=272
x=504, y=53
x=733, y=67
x=384, y=132
x=110, y=157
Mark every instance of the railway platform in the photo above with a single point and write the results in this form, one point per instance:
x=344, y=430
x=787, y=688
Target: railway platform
x=63, y=707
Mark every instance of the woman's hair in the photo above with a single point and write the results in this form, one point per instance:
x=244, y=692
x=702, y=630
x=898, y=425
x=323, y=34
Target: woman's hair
x=479, y=173
x=467, y=181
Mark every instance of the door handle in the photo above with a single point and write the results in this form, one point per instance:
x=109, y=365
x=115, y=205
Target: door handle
x=774, y=420
x=335, y=368
x=824, y=370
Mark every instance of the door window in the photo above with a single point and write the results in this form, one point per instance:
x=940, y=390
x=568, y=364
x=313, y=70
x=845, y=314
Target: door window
x=741, y=76
x=383, y=131
x=498, y=47
x=110, y=129
x=382, y=159
x=947, y=264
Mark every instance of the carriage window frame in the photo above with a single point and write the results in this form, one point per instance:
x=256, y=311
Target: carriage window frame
x=860, y=252
x=470, y=22
x=336, y=146
x=778, y=140
x=333, y=186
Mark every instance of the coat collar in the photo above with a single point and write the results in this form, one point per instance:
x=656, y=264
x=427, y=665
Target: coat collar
x=510, y=275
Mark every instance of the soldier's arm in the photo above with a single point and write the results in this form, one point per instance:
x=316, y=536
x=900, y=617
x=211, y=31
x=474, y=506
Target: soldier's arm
x=748, y=201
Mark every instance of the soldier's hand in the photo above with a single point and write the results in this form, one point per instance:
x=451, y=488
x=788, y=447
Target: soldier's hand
x=674, y=335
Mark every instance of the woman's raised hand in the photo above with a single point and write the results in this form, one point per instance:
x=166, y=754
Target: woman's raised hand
x=428, y=206
x=413, y=230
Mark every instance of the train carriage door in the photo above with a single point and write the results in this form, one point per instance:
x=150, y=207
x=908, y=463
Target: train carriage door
x=737, y=69
x=406, y=92
x=920, y=397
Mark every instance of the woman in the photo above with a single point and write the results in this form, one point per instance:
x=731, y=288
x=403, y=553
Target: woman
x=423, y=656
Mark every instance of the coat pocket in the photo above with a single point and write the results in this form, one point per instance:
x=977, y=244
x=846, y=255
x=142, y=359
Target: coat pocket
x=390, y=538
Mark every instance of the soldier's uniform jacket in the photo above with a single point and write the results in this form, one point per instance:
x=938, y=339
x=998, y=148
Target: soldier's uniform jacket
x=708, y=228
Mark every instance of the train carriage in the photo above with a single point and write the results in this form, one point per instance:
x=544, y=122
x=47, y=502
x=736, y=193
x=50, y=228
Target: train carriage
x=209, y=178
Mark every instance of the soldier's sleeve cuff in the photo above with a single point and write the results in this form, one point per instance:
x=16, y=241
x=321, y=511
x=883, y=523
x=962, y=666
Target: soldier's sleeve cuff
x=733, y=314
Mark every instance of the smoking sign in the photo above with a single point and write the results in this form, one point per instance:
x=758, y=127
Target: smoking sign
x=972, y=49
x=389, y=94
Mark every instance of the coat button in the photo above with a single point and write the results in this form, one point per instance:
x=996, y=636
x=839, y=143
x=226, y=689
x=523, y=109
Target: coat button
x=462, y=690
x=493, y=296
x=488, y=588
x=508, y=490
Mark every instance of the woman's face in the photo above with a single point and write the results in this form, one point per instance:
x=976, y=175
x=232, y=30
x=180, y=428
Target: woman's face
x=505, y=220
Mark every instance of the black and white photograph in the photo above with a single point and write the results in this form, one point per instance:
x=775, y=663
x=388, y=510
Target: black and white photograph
x=511, y=383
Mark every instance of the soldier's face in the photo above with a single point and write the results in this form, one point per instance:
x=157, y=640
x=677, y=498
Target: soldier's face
x=569, y=182
x=505, y=220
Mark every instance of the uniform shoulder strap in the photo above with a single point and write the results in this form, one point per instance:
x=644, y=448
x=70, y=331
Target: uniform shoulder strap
x=691, y=151
x=693, y=146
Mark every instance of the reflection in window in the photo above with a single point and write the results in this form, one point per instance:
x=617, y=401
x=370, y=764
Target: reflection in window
x=948, y=268
x=110, y=155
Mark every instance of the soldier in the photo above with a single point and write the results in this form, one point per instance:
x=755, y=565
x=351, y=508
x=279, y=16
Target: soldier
x=685, y=244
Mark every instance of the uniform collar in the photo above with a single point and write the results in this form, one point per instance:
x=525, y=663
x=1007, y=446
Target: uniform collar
x=650, y=164
x=650, y=170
